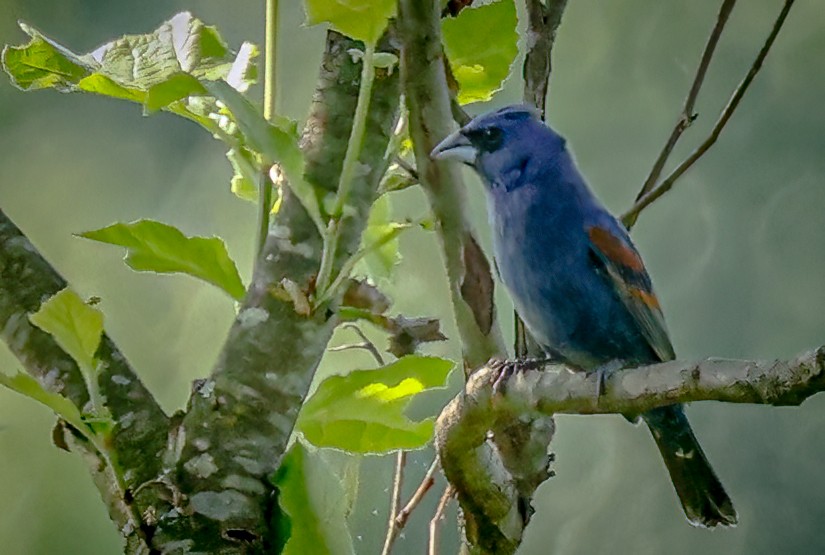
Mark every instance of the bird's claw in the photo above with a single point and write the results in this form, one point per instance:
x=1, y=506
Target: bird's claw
x=506, y=369
x=602, y=373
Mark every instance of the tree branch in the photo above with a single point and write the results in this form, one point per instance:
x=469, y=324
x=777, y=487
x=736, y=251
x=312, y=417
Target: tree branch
x=629, y=217
x=428, y=101
x=543, y=20
x=687, y=116
x=139, y=434
x=488, y=491
x=240, y=419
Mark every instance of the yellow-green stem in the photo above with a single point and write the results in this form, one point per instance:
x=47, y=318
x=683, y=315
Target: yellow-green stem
x=270, y=98
x=356, y=137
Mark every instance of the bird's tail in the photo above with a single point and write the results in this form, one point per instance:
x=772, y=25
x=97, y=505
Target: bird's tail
x=701, y=493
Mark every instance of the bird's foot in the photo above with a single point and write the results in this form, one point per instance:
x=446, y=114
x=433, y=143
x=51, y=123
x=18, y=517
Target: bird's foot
x=506, y=369
x=602, y=373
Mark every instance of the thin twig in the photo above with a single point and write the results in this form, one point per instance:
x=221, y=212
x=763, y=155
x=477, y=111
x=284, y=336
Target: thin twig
x=423, y=488
x=365, y=344
x=449, y=492
x=406, y=166
x=687, y=116
x=395, y=501
x=630, y=216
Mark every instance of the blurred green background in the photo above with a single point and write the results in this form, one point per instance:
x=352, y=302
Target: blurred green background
x=737, y=252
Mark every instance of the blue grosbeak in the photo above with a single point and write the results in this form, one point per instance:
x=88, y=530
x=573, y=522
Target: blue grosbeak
x=576, y=279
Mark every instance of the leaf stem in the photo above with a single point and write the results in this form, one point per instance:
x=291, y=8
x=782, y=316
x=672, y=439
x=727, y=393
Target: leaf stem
x=270, y=99
x=359, y=124
x=349, y=265
x=356, y=138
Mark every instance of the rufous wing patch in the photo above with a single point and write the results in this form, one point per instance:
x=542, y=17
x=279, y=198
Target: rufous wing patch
x=648, y=298
x=614, y=249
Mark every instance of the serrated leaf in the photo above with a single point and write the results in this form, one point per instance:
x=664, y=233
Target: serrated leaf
x=276, y=141
x=158, y=69
x=360, y=19
x=157, y=247
x=316, y=502
x=31, y=388
x=75, y=326
x=481, y=44
x=363, y=412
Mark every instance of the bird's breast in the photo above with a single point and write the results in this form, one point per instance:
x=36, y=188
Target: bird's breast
x=544, y=260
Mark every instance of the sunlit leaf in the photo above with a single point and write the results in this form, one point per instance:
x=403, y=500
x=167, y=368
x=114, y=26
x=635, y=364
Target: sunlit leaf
x=75, y=326
x=360, y=19
x=316, y=502
x=157, y=247
x=481, y=44
x=363, y=412
x=159, y=69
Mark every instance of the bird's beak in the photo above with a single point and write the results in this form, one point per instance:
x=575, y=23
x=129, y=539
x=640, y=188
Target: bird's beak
x=455, y=147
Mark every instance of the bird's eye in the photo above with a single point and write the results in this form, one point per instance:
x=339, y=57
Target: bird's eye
x=487, y=139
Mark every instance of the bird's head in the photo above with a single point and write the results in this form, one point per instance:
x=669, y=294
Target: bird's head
x=501, y=142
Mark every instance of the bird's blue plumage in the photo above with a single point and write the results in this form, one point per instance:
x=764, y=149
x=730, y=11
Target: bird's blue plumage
x=575, y=277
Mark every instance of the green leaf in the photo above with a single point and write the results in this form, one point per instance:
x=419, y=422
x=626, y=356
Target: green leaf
x=75, y=326
x=276, y=141
x=160, y=69
x=363, y=412
x=245, y=173
x=31, y=388
x=360, y=19
x=316, y=502
x=481, y=44
x=379, y=242
x=157, y=247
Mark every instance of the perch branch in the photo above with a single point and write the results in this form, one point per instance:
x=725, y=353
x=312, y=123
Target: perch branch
x=489, y=492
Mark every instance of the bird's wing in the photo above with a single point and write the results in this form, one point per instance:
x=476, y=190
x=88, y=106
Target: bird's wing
x=623, y=268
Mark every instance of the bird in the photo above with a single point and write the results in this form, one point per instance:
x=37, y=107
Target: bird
x=576, y=279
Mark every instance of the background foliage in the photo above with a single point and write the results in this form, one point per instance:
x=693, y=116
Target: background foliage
x=737, y=253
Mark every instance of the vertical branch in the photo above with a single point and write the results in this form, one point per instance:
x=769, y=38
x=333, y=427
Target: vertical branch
x=543, y=20
x=395, y=501
x=237, y=427
x=448, y=494
x=428, y=100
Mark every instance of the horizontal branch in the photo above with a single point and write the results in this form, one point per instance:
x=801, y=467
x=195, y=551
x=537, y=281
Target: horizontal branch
x=474, y=467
